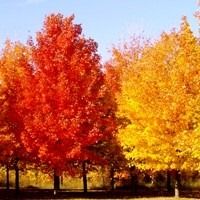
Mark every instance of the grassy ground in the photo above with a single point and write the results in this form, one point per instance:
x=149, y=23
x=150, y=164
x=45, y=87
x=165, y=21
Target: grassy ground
x=154, y=198
x=162, y=198
x=92, y=195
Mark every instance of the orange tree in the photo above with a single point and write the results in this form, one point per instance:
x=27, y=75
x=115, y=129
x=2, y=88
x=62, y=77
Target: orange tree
x=159, y=97
x=15, y=85
x=72, y=111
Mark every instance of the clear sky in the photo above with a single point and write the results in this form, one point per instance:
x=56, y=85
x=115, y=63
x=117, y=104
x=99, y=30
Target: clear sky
x=106, y=21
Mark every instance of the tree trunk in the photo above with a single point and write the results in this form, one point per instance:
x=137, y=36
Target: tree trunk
x=7, y=177
x=16, y=175
x=56, y=179
x=134, y=180
x=61, y=180
x=84, y=173
x=112, y=181
x=169, y=188
x=177, y=184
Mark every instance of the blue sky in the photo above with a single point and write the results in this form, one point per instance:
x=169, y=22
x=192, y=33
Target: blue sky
x=108, y=22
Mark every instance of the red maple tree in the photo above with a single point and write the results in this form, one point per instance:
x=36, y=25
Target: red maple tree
x=72, y=111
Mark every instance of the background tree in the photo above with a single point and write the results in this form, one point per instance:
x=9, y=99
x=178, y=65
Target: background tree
x=15, y=85
x=116, y=70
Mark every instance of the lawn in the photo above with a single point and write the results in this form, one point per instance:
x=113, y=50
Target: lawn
x=163, y=198
x=151, y=198
x=154, y=198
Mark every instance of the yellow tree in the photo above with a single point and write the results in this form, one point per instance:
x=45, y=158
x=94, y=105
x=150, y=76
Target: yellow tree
x=160, y=98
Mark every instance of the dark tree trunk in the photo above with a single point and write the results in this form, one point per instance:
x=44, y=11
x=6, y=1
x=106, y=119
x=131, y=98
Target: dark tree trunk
x=61, y=180
x=169, y=188
x=7, y=177
x=112, y=179
x=177, y=184
x=16, y=175
x=56, y=182
x=84, y=174
x=134, y=180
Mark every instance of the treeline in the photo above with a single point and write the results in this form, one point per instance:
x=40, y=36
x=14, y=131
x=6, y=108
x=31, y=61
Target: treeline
x=63, y=111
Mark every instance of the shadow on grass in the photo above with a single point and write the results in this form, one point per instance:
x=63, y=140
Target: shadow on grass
x=34, y=193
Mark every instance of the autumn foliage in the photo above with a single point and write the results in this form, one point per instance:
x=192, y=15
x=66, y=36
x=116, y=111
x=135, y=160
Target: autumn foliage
x=159, y=97
x=16, y=77
x=61, y=110
x=71, y=111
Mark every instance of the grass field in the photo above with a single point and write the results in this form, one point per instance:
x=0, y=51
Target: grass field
x=152, y=198
x=163, y=198
x=48, y=194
